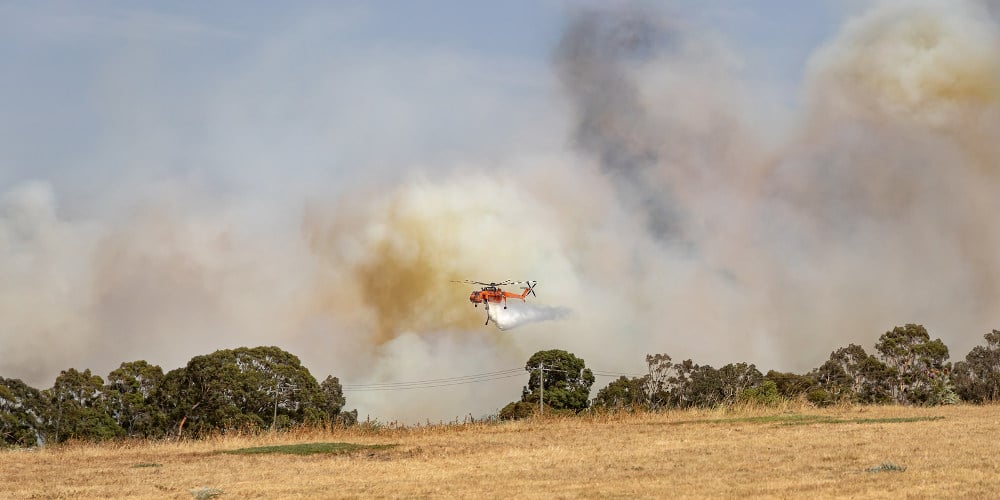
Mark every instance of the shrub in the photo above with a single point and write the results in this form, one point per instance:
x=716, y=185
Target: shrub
x=517, y=410
x=765, y=394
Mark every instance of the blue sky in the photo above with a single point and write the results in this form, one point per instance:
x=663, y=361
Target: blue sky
x=86, y=82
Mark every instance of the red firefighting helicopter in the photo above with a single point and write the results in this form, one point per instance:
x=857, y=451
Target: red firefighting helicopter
x=491, y=292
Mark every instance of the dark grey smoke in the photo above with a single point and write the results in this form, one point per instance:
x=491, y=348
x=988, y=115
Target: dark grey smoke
x=595, y=59
x=876, y=208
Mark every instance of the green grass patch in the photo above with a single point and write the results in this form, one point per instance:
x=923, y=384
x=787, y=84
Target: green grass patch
x=141, y=465
x=800, y=419
x=309, y=449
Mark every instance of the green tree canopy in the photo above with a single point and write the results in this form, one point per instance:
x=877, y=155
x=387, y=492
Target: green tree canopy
x=701, y=386
x=977, y=379
x=334, y=401
x=622, y=393
x=660, y=380
x=567, y=380
x=790, y=385
x=242, y=388
x=735, y=378
x=517, y=410
x=78, y=408
x=23, y=411
x=851, y=374
x=129, y=391
x=918, y=363
x=687, y=384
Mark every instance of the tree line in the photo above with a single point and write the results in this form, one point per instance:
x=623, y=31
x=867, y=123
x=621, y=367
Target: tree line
x=907, y=368
x=251, y=389
x=242, y=389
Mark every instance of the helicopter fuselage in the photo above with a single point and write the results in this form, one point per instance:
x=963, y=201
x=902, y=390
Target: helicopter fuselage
x=491, y=292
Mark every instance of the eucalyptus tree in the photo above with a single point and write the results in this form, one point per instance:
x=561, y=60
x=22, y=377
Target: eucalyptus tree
x=977, y=378
x=566, y=380
x=23, y=412
x=242, y=389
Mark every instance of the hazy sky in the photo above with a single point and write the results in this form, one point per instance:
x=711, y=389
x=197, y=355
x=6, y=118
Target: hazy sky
x=725, y=181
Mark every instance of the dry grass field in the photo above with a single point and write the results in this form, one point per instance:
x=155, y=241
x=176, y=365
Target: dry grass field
x=786, y=452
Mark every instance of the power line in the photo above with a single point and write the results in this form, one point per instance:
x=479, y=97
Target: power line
x=438, y=382
x=446, y=379
x=601, y=373
x=464, y=379
x=596, y=373
x=428, y=386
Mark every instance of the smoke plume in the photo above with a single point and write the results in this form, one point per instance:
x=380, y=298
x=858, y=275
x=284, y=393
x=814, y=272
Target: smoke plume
x=641, y=186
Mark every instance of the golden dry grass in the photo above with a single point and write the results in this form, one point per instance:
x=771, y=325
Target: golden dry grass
x=735, y=453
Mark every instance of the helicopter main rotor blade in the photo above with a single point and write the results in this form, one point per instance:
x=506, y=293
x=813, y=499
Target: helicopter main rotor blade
x=470, y=282
x=492, y=283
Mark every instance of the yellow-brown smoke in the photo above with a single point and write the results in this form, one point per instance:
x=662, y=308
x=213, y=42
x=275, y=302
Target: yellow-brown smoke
x=397, y=256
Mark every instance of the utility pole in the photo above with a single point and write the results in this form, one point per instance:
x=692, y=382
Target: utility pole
x=275, y=417
x=541, y=388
